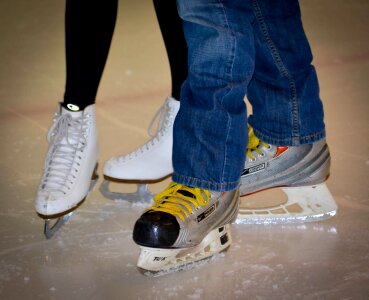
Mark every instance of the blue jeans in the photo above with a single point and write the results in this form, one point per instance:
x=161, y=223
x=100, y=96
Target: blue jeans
x=256, y=48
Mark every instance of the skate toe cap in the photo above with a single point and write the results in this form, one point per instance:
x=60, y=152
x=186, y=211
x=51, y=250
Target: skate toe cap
x=49, y=204
x=44, y=204
x=156, y=229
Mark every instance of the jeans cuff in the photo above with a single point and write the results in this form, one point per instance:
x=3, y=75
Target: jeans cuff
x=204, y=184
x=291, y=141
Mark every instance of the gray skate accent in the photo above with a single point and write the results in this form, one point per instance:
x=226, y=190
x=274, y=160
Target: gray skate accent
x=303, y=165
x=193, y=231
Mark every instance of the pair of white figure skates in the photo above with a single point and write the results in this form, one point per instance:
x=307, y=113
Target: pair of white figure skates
x=184, y=224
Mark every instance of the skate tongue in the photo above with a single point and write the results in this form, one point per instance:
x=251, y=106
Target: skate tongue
x=186, y=193
x=74, y=113
x=68, y=128
x=67, y=138
x=180, y=200
x=253, y=141
x=67, y=135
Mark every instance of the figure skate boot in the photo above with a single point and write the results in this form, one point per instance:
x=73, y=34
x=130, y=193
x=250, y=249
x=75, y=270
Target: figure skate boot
x=70, y=166
x=150, y=163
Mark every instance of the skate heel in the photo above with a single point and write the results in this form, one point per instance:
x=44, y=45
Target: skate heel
x=157, y=261
x=304, y=204
x=318, y=173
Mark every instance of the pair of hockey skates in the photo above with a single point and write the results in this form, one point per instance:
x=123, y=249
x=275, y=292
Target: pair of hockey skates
x=184, y=224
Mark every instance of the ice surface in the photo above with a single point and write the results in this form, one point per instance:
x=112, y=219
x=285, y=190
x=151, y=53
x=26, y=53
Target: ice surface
x=93, y=256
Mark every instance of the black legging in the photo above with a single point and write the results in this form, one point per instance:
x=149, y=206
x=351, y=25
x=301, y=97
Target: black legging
x=89, y=27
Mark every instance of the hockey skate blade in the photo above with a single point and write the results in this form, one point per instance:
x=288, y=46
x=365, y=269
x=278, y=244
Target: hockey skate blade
x=158, y=262
x=304, y=204
x=141, y=194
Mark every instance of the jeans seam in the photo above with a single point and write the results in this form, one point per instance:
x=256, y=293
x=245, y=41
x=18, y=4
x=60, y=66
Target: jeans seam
x=232, y=56
x=226, y=148
x=281, y=67
x=233, y=37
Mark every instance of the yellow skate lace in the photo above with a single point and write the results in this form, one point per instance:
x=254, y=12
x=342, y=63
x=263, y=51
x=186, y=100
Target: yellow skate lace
x=254, y=144
x=175, y=200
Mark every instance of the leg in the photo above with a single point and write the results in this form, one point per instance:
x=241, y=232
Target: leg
x=189, y=220
x=175, y=44
x=89, y=27
x=71, y=160
x=153, y=160
x=210, y=133
x=284, y=90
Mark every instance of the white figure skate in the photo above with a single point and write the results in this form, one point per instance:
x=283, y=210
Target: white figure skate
x=150, y=163
x=70, y=166
x=185, y=225
x=301, y=173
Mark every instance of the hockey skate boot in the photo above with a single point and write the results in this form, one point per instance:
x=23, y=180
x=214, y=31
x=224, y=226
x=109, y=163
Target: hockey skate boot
x=183, y=226
x=70, y=166
x=300, y=171
x=150, y=163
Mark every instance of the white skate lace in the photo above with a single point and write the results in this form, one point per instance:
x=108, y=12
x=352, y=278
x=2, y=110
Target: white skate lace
x=67, y=139
x=166, y=116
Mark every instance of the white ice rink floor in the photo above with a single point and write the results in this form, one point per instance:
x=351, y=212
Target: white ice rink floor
x=94, y=256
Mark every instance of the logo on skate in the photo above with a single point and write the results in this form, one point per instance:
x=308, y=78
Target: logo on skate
x=253, y=169
x=158, y=258
x=206, y=213
x=72, y=107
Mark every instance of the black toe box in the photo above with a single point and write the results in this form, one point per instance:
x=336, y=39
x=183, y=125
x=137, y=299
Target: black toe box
x=156, y=229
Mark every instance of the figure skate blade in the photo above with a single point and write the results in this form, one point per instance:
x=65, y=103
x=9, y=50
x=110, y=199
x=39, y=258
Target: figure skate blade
x=158, y=262
x=142, y=194
x=54, y=223
x=304, y=204
x=51, y=229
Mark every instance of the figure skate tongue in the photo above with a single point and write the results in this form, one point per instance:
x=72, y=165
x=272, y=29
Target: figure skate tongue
x=300, y=171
